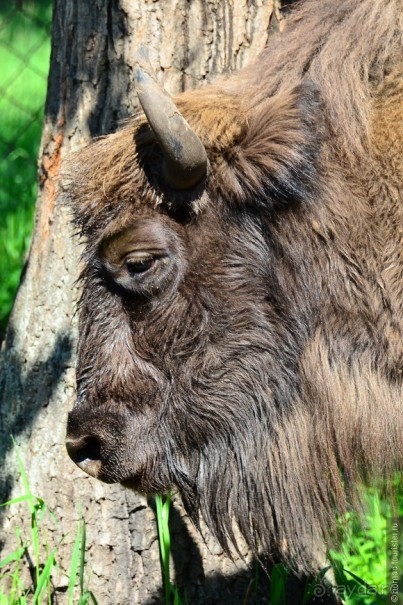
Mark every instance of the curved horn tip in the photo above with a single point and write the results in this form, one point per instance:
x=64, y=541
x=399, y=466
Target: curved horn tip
x=185, y=157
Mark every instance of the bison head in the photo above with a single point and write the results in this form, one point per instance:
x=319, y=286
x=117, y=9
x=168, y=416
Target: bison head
x=210, y=288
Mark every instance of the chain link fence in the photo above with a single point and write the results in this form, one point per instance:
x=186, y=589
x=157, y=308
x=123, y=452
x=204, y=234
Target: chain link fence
x=24, y=40
x=24, y=60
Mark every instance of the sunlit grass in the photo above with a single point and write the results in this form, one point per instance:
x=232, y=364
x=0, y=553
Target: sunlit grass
x=359, y=566
x=361, y=562
x=33, y=553
x=163, y=506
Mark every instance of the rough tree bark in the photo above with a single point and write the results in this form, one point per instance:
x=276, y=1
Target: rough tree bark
x=90, y=91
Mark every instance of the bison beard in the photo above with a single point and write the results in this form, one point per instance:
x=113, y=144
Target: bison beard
x=240, y=339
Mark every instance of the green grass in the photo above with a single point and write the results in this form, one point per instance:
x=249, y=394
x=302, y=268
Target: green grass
x=24, y=60
x=34, y=552
x=359, y=566
x=163, y=506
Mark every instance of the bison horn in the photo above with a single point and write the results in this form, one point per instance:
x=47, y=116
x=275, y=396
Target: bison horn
x=185, y=158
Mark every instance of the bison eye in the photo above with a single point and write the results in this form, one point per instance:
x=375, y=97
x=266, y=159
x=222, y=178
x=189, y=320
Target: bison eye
x=141, y=260
x=139, y=263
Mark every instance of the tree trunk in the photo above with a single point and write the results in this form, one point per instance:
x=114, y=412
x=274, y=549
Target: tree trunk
x=90, y=90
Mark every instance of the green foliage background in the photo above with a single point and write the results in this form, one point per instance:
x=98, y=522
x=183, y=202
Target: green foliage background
x=24, y=60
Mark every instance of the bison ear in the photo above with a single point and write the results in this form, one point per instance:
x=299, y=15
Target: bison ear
x=277, y=160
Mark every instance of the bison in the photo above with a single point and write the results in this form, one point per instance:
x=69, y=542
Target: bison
x=240, y=335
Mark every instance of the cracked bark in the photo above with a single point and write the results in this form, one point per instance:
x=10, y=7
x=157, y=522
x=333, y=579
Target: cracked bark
x=90, y=90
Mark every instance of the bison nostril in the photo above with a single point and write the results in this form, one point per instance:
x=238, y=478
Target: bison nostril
x=85, y=448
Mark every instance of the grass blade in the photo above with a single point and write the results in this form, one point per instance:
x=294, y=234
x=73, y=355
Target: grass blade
x=82, y=558
x=32, y=508
x=21, y=499
x=44, y=577
x=164, y=542
x=88, y=594
x=75, y=559
x=362, y=583
x=278, y=578
x=177, y=600
x=14, y=556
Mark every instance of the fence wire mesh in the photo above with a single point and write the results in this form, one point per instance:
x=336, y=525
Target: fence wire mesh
x=24, y=63
x=24, y=42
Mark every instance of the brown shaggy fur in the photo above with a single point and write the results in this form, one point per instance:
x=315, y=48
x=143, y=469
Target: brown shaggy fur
x=259, y=370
